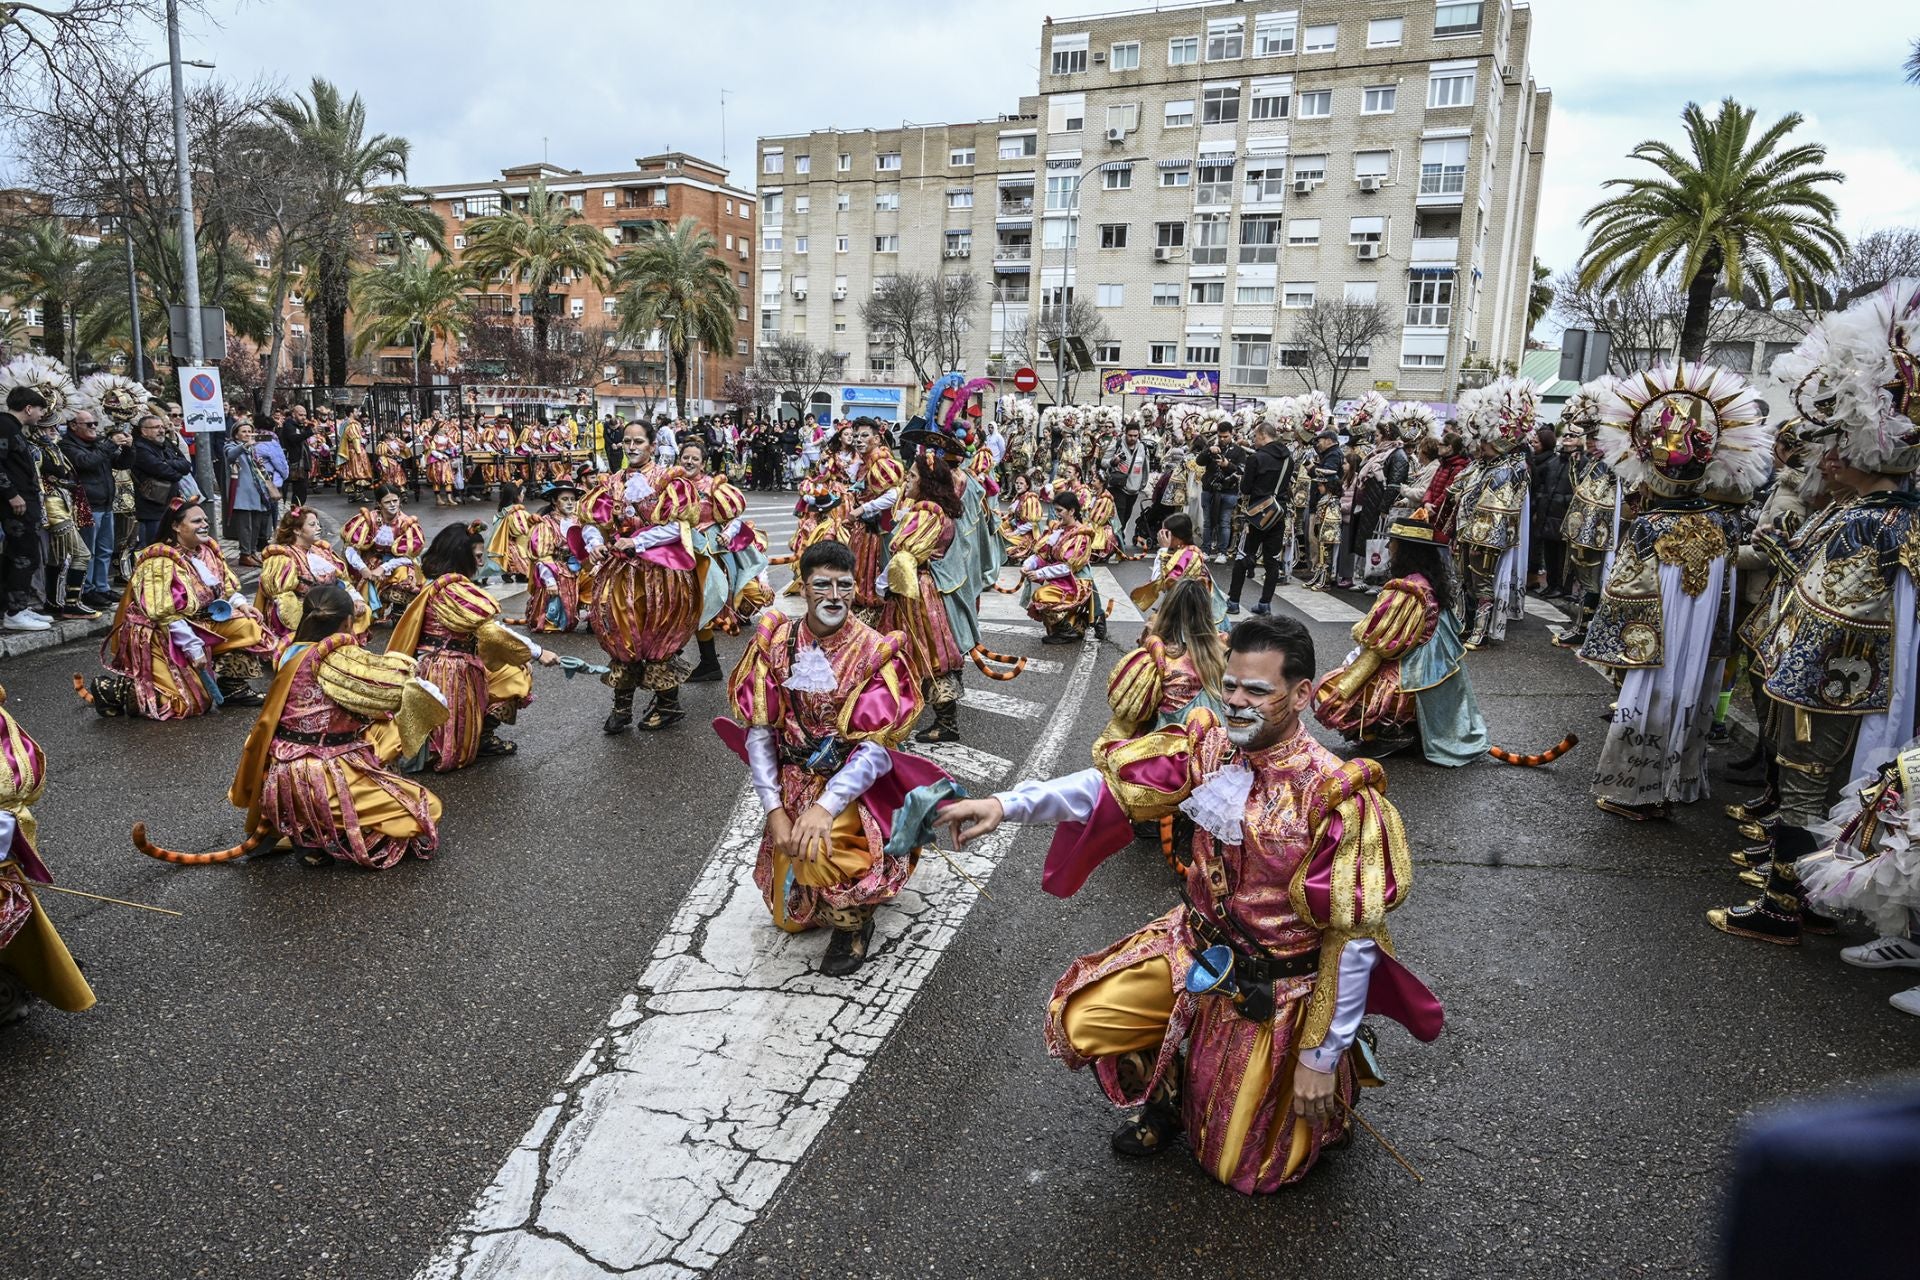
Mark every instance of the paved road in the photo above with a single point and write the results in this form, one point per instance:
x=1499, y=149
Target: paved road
x=569, y=1046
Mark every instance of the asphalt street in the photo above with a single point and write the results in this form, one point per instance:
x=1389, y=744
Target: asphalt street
x=322, y=1073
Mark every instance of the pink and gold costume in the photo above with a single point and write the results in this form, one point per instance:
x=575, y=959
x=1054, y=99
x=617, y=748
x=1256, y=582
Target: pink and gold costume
x=452, y=633
x=922, y=533
x=443, y=459
x=556, y=547
x=510, y=544
x=356, y=468
x=390, y=452
x=1100, y=515
x=646, y=595
x=1024, y=526
x=385, y=556
x=873, y=487
x=164, y=618
x=286, y=575
x=1170, y=565
x=32, y=956
x=1151, y=688
x=1062, y=594
x=1364, y=696
x=310, y=771
x=1297, y=858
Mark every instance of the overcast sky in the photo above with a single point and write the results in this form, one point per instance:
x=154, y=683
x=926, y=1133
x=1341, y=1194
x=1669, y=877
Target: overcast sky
x=482, y=84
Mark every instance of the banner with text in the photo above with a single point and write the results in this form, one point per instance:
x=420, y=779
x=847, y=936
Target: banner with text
x=1162, y=382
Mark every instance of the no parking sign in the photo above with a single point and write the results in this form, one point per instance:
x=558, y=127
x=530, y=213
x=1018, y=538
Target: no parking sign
x=204, y=408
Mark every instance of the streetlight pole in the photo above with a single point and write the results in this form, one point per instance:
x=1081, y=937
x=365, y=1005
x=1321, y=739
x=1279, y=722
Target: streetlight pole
x=126, y=234
x=189, y=253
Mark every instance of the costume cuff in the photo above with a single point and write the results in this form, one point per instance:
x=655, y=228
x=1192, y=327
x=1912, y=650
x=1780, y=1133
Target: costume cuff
x=885, y=502
x=657, y=536
x=867, y=765
x=1357, y=959
x=593, y=538
x=1069, y=798
x=353, y=558
x=763, y=762
x=1052, y=571
x=183, y=635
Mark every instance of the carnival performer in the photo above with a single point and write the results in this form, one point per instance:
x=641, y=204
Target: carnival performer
x=873, y=477
x=821, y=700
x=731, y=560
x=822, y=512
x=1176, y=669
x=33, y=959
x=1059, y=594
x=1232, y=1016
x=1840, y=659
x=355, y=466
x=443, y=462
x=1666, y=612
x=916, y=605
x=452, y=630
x=184, y=638
x=1405, y=681
x=297, y=562
x=1026, y=518
x=309, y=770
x=510, y=540
x=1491, y=515
x=383, y=545
x=646, y=601
x=557, y=546
x=1101, y=518
x=1178, y=560
x=1593, y=513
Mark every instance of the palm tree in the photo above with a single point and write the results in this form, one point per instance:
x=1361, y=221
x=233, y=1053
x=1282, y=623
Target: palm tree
x=1913, y=64
x=415, y=300
x=355, y=178
x=1738, y=207
x=537, y=245
x=675, y=283
x=41, y=263
x=1540, y=297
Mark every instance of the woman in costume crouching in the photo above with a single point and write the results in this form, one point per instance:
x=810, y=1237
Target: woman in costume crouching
x=923, y=533
x=296, y=563
x=183, y=639
x=309, y=771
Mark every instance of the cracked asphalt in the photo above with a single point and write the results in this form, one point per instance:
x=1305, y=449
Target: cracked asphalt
x=313, y=1073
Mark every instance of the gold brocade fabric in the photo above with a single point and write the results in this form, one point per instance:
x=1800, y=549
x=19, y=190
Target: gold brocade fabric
x=1692, y=542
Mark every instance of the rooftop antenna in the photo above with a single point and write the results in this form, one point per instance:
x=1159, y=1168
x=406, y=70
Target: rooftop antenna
x=723, y=125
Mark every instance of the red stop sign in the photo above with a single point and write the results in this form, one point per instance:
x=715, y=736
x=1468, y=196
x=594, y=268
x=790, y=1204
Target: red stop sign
x=1025, y=380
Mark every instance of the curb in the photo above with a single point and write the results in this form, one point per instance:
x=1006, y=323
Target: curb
x=14, y=644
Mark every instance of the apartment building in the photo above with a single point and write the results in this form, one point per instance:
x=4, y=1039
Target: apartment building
x=622, y=204
x=1204, y=174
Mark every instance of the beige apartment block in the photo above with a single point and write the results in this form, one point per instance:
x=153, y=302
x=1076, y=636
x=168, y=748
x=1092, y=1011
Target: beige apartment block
x=1203, y=173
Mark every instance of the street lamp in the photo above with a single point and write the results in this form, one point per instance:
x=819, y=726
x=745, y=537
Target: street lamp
x=126, y=234
x=189, y=253
x=1069, y=250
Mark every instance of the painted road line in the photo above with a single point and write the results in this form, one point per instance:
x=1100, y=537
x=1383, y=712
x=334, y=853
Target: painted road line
x=1320, y=606
x=1000, y=704
x=969, y=764
x=1043, y=667
x=997, y=606
x=1124, y=610
x=1541, y=609
x=713, y=1077
x=1025, y=627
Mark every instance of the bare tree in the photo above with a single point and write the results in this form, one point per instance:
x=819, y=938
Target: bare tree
x=787, y=364
x=1042, y=333
x=48, y=46
x=924, y=319
x=1642, y=320
x=1336, y=338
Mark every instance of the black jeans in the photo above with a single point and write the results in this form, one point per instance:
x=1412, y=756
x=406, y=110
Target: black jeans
x=1270, y=546
x=1123, y=508
x=20, y=563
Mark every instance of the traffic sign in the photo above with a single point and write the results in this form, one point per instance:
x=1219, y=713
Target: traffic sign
x=1025, y=380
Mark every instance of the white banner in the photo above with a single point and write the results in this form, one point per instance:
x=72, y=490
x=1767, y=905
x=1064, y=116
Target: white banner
x=205, y=409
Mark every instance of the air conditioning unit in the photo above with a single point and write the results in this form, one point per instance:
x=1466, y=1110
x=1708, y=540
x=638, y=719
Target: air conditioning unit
x=1116, y=135
x=1099, y=58
x=840, y=295
x=800, y=295
x=1303, y=186
x=1369, y=251
x=958, y=253
x=1370, y=182
x=1162, y=253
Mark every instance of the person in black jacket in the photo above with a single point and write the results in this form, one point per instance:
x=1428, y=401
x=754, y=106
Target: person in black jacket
x=1267, y=482
x=1550, y=488
x=94, y=459
x=1224, y=465
x=294, y=432
x=157, y=467
x=20, y=511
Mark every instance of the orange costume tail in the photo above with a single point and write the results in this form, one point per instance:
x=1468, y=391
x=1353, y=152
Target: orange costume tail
x=240, y=850
x=981, y=656
x=1548, y=756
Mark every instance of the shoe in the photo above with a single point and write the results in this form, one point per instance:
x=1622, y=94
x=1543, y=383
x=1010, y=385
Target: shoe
x=1345, y=584
x=1233, y=607
x=249, y=561
x=1632, y=812
x=1219, y=557
x=847, y=950
x=708, y=671
x=1907, y=1001
x=99, y=600
x=664, y=711
x=24, y=621
x=1761, y=806
x=1765, y=919
x=1883, y=953
x=1755, y=857
x=619, y=720
x=244, y=696
x=1568, y=639
x=1262, y=609
x=74, y=613
x=1149, y=1133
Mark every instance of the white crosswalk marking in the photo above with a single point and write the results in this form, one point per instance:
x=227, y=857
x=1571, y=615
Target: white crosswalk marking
x=714, y=1076
x=1000, y=704
x=969, y=764
x=1541, y=609
x=1319, y=606
x=1124, y=610
x=1025, y=627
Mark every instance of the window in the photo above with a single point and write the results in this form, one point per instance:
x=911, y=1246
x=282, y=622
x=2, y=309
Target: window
x=960, y=244
x=743, y=280
x=1107, y=353
x=1124, y=116
x=576, y=202
x=1176, y=177
x=1384, y=33
x=729, y=242
x=773, y=162
x=1297, y=296
x=844, y=162
x=1456, y=20
x=1183, y=51
x=1067, y=113
x=803, y=164
x=1271, y=99
x=1204, y=352
x=1366, y=230
x=769, y=240
x=609, y=305
x=1210, y=239
x=1273, y=35
x=1253, y=295
x=1225, y=38
x=1110, y=295
x=483, y=206
x=1070, y=54
x=1124, y=57
x=1060, y=233
x=1449, y=89
x=887, y=201
x=1359, y=358
x=1178, y=115
x=1293, y=355
x=799, y=244
x=1303, y=231
x=1443, y=166
x=842, y=201
x=886, y=244
x=1166, y=295
x=774, y=207
x=1371, y=164
x=1252, y=354
x=606, y=199
x=1363, y=293
x=1322, y=38
x=839, y=286
x=1113, y=235
x=1220, y=104
x=459, y=242
x=1018, y=146
x=1159, y=353
x=1316, y=105
x=1378, y=99
x=960, y=158
x=1060, y=189
x=1117, y=177
x=1216, y=181
x=802, y=204
x=960, y=199
x=1207, y=293
x=1313, y=168
x=1266, y=184
x=887, y=162
x=1260, y=239
x=1430, y=301
x=1170, y=235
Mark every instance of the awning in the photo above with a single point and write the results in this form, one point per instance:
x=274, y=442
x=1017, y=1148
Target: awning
x=1175, y=164
x=1430, y=271
x=1117, y=166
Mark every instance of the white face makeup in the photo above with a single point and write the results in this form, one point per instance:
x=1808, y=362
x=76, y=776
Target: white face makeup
x=1262, y=705
x=829, y=599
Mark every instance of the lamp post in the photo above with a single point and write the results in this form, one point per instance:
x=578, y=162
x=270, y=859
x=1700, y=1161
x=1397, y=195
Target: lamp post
x=189, y=252
x=126, y=234
x=1069, y=251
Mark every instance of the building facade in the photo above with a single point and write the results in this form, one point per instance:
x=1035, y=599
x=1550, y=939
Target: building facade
x=1202, y=175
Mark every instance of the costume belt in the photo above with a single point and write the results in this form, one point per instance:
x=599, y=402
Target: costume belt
x=1266, y=968
x=315, y=739
x=459, y=644
x=820, y=756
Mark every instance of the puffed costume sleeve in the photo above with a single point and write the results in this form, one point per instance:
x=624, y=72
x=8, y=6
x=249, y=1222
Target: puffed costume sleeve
x=279, y=582
x=753, y=690
x=1402, y=618
x=1075, y=549
x=23, y=767
x=409, y=539
x=884, y=709
x=1138, y=682
x=382, y=686
x=357, y=533
x=915, y=538
x=157, y=589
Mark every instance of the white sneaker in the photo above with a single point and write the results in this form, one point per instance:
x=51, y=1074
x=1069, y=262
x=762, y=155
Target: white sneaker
x=1907, y=1001
x=1219, y=558
x=24, y=621
x=1884, y=953
x=38, y=616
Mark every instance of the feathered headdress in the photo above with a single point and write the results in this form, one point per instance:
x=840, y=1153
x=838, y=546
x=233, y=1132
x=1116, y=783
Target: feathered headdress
x=1368, y=411
x=952, y=421
x=1503, y=413
x=43, y=374
x=113, y=397
x=1313, y=412
x=1411, y=420
x=1855, y=377
x=1247, y=417
x=1686, y=429
x=1582, y=408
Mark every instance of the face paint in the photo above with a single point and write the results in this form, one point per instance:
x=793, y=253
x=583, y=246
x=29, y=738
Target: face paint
x=1244, y=725
x=829, y=614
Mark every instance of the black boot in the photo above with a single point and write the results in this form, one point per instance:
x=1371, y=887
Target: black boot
x=664, y=710
x=491, y=743
x=620, y=719
x=1762, y=806
x=235, y=692
x=1774, y=916
x=945, y=726
x=847, y=948
x=709, y=669
x=1153, y=1130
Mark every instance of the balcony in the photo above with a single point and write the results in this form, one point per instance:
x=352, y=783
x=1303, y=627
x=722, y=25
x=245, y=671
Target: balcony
x=1434, y=251
x=1439, y=190
x=1018, y=254
x=1019, y=208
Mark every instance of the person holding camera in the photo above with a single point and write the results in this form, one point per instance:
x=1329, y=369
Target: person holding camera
x=1223, y=466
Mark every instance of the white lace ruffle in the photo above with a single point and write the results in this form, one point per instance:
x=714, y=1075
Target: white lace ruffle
x=1881, y=883
x=811, y=673
x=1218, y=803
